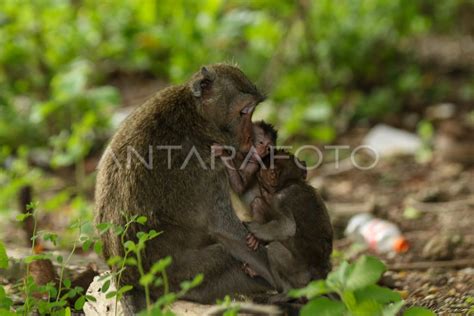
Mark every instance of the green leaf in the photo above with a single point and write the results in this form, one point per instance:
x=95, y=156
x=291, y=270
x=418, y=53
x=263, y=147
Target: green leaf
x=337, y=279
x=124, y=289
x=98, y=247
x=146, y=279
x=79, y=304
x=187, y=285
x=3, y=256
x=67, y=283
x=114, y=260
x=67, y=311
x=31, y=258
x=369, y=307
x=105, y=286
x=161, y=265
x=366, y=271
x=130, y=245
x=323, y=306
x=22, y=217
x=141, y=220
x=110, y=294
x=5, y=301
x=418, y=311
x=313, y=289
x=381, y=295
x=393, y=309
x=86, y=245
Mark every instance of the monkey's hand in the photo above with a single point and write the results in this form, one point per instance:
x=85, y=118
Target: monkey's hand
x=248, y=270
x=252, y=242
x=218, y=150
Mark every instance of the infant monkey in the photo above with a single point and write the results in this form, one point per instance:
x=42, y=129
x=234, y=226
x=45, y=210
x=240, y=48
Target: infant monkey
x=243, y=168
x=292, y=218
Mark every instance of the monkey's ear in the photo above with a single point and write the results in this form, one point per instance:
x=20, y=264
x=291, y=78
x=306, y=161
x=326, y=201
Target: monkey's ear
x=203, y=82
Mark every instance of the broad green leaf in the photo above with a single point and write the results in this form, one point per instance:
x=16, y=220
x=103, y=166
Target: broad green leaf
x=86, y=245
x=5, y=301
x=67, y=283
x=313, y=289
x=22, y=217
x=337, y=279
x=141, y=220
x=3, y=256
x=105, y=286
x=381, y=295
x=365, y=308
x=98, y=247
x=393, y=309
x=114, y=260
x=79, y=304
x=67, y=311
x=323, y=307
x=146, y=279
x=124, y=289
x=130, y=245
x=418, y=311
x=161, y=265
x=366, y=271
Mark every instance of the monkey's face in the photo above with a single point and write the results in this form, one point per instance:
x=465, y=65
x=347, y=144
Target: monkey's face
x=226, y=98
x=262, y=141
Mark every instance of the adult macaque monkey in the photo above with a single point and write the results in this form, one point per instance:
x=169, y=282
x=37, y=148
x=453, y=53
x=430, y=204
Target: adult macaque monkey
x=178, y=190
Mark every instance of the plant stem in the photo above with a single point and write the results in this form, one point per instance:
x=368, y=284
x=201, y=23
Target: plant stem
x=33, y=244
x=142, y=273
x=63, y=264
x=124, y=259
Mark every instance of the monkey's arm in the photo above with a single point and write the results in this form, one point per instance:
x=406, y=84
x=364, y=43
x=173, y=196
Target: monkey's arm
x=240, y=179
x=281, y=227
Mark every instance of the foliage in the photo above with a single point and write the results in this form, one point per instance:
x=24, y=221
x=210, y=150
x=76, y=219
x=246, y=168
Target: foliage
x=356, y=286
x=58, y=296
x=324, y=63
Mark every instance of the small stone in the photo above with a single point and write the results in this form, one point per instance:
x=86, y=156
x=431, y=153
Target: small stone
x=433, y=290
x=429, y=297
x=403, y=293
x=452, y=292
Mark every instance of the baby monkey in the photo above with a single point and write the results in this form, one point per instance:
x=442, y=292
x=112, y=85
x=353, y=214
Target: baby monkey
x=242, y=169
x=290, y=216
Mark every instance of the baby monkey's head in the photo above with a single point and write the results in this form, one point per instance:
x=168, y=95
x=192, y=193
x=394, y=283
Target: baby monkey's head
x=264, y=136
x=284, y=170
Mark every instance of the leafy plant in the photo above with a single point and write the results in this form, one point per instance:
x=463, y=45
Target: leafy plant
x=355, y=285
x=156, y=276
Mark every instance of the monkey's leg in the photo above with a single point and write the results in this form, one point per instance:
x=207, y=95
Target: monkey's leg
x=223, y=275
x=231, y=233
x=286, y=266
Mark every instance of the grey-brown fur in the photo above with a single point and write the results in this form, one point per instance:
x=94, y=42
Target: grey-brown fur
x=190, y=206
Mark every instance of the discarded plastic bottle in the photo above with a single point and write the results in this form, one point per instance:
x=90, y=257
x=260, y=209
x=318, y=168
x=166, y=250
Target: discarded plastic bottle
x=380, y=235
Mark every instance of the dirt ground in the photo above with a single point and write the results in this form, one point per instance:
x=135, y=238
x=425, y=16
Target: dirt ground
x=433, y=204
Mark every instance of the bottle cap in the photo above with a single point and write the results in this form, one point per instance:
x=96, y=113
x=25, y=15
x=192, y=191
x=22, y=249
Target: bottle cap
x=401, y=245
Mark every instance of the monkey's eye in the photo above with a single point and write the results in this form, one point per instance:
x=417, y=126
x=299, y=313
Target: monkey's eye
x=260, y=142
x=205, y=84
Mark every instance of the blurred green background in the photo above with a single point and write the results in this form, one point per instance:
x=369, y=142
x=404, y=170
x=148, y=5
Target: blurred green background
x=68, y=67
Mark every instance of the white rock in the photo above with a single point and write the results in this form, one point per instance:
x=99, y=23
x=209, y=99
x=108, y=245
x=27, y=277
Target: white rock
x=106, y=307
x=388, y=141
